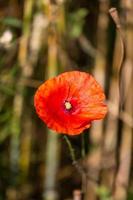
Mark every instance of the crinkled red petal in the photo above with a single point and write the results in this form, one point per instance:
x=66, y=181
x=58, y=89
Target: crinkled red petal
x=82, y=91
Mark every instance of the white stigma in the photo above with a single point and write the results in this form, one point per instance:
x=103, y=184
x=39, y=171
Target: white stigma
x=68, y=105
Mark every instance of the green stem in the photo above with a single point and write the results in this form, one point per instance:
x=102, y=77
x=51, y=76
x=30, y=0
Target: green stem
x=83, y=146
x=75, y=163
x=72, y=152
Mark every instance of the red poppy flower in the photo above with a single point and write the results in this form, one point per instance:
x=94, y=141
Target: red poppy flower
x=69, y=102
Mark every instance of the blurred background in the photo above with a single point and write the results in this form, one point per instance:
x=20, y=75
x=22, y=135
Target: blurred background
x=38, y=40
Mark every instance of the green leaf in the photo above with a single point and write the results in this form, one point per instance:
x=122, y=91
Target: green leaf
x=4, y=133
x=76, y=22
x=5, y=116
x=103, y=193
x=7, y=90
x=130, y=196
x=11, y=21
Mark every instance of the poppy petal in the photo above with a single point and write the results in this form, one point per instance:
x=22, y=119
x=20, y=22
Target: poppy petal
x=69, y=102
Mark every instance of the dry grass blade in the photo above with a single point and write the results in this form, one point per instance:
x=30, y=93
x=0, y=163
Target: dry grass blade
x=114, y=14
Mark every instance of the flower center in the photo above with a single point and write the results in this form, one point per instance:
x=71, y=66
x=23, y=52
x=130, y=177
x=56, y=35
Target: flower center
x=68, y=105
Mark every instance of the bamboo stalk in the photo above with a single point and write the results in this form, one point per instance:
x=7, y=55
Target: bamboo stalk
x=19, y=97
x=25, y=146
x=96, y=132
x=34, y=47
x=122, y=177
x=77, y=195
x=110, y=138
x=52, y=147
